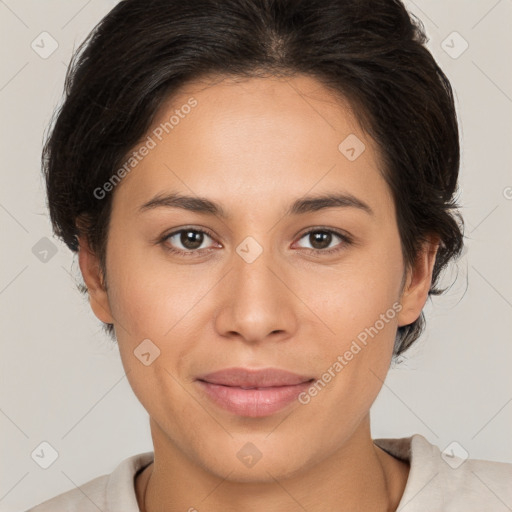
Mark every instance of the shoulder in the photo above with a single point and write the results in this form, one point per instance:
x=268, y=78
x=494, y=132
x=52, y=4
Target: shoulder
x=88, y=497
x=449, y=480
x=114, y=491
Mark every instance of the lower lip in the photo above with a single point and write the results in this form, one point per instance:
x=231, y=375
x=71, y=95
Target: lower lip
x=253, y=403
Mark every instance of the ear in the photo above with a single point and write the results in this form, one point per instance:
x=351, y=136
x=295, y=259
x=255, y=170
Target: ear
x=94, y=281
x=417, y=283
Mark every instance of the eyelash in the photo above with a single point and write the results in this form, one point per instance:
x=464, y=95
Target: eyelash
x=345, y=239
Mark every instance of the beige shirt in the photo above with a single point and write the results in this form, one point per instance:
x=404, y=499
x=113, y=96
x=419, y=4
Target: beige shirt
x=437, y=483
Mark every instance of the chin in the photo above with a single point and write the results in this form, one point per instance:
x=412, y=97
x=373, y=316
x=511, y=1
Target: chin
x=252, y=459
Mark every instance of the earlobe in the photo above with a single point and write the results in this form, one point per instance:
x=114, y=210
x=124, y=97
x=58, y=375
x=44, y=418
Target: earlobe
x=94, y=281
x=418, y=283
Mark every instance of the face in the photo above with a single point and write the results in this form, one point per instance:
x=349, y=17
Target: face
x=314, y=290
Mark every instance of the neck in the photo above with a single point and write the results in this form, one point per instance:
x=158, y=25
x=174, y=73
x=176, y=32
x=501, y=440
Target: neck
x=358, y=476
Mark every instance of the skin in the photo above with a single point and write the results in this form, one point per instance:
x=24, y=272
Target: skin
x=254, y=147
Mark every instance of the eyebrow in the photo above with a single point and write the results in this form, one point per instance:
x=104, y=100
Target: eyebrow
x=298, y=207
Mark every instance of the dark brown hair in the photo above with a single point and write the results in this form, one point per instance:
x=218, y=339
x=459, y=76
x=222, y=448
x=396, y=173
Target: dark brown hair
x=372, y=52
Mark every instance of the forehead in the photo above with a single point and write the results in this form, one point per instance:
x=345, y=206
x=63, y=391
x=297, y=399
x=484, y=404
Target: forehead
x=254, y=138
x=299, y=105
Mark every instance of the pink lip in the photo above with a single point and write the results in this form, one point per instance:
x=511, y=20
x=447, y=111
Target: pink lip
x=271, y=389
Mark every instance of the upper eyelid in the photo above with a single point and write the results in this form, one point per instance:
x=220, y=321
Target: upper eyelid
x=180, y=230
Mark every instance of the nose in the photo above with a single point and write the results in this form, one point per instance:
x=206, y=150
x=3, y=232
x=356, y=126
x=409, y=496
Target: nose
x=256, y=302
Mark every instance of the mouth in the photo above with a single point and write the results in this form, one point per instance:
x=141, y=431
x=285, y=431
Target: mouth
x=253, y=393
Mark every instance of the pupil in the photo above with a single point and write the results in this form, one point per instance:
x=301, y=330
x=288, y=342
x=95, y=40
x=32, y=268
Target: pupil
x=191, y=239
x=321, y=236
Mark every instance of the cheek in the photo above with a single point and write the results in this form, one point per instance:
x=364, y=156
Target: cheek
x=353, y=296
x=360, y=305
x=165, y=304
x=149, y=297
x=152, y=308
x=363, y=321
x=355, y=362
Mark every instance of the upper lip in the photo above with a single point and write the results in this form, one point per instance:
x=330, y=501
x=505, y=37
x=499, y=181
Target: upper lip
x=261, y=378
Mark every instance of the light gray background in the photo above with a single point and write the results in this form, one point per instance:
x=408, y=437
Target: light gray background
x=62, y=379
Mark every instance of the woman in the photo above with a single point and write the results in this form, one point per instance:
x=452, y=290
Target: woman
x=261, y=195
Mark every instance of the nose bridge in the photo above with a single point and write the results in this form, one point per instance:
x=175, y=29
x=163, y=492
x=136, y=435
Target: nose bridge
x=257, y=302
x=253, y=265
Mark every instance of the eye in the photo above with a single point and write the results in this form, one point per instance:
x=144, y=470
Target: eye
x=188, y=240
x=191, y=241
x=321, y=240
